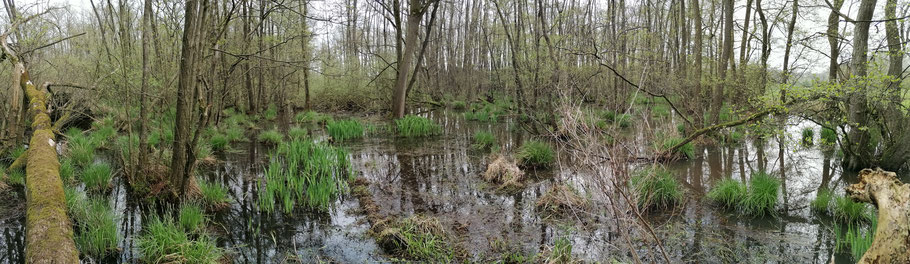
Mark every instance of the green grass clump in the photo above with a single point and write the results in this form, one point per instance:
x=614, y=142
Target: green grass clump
x=459, y=105
x=312, y=117
x=237, y=120
x=728, y=193
x=271, y=136
x=535, y=154
x=418, y=238
x=67, y=170
x=304, y=172
x=298, y=133
x=97, y=227
x=97, y=177
x=219, y=141
x=762, y=198
x=847, y=211
x=15, y=153
x=688, y=150
x=191, y=217
x=828, y=136
x=623, y=120
x=655, y=186
x=660, y=111
x=821, y=202
x=561, y=252
x=855, y=238
x=203, y=150
x=343, y=130
x=484, y=140
x=808, y=136
x=165, y=241
x=16, y=177
x=411, y=126
x=271, y=112
x=81, y=147
x=214, y=195
x=234, y=134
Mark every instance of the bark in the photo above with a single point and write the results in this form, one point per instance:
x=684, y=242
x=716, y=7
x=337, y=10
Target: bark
x=833, y=20
x=143, y=88
x=883, y=189
x=415, y=14
x=895, y=52
x=859, y=153
x=185, y=87
x=717, y=97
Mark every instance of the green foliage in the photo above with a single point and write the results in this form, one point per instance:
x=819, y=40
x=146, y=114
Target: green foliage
x=808, y=136
x=855, y=238
x=535, y=154
x=655, y=186
x=312, y=117
x=822, y=201
x=343, y=130
x=97, y=177
x=623, y=120
x=213, y=194
x=203, y=150
x=660, y=110
x=729, y=193
x=486, y=112
x=237, y=120
x=164, y=241
x=271, y=136
x=458, y=105
x=312, y=174
x=484, y=140
x=762, y=198
x=271, y=112
x=298, y=133
x=828, y=136
x=847, y=211
x=411, y=126
x=97, y=227
x=67, y=170
x=81, y=147
x=191, y=217
x=16, y=177
x=561, y=252
x=15, y=153
x=234, y=134
x=668, y=142
x=102, y=132
x=219, y=141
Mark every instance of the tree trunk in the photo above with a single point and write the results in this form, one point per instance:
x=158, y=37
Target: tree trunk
x=833, y=20
x=717, y=97
x=858, y=152
x=143, y=88
x=881, y=188
x=415, y=14
x=185, y=87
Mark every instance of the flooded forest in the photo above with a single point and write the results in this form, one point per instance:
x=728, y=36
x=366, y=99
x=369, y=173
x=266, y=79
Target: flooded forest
x=454, y=131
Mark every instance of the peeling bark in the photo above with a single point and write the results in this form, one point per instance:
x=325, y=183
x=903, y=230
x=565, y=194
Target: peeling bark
x=892, y=198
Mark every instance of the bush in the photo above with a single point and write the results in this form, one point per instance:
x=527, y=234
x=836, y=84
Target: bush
x=214, y=195
x=271, y=136
x=728, y=193
x=484, y=140
x=411, y=126
x=828, y=136
x=97, y=227
x=97, y=177
x=762, y=198
x=656, y=186
x=343, y=130
x=535, y=154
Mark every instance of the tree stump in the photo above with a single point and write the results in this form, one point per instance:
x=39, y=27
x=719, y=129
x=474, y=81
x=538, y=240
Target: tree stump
x=892, y=198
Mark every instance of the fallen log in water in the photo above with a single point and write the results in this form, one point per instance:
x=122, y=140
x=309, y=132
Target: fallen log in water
x=892, y=236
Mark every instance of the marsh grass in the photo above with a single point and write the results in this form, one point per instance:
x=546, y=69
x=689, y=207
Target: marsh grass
x=561, y=251
x=536, y=155
x=14, y=154
x=822, y=201
x=219, y=141
x=67, y=170
x=97, y=177
x=298, y=133
x=234, y=134
x=655, y=186
x=623, y=120
x=271, y=112
x=411, y=126
x=306, y=173
x=191, y=217
x=312, y=117
x=213, y=195
x=165, y=241
x=828, y=136
x=81, y=147
x=728, y=193
x=97, y=225
x=458, y=105
x=845, y=210
x=418, y=238
x=855, y=239
x=344, y=130
x=762, y=198
x=660, y=110
x=16, y=177
x=483, y=140
x=687, y=150
x=271, y=136
x=808, y=136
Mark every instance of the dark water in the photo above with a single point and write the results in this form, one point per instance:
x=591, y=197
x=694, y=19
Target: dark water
x=439, y=177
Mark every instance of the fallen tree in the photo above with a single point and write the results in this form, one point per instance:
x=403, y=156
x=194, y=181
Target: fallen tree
x=892, y=198
x=48, y=230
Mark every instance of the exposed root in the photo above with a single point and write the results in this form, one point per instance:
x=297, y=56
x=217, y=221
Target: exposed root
x=560, y=200
x=505, y=172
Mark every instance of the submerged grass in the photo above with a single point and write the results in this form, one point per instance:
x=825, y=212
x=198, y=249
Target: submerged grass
x=271, y=136
x=412, y=126
x=484, y=140
x=311, y=174
x=535, y=154
x=97, y=177
x=655, y=186
x=343, y=130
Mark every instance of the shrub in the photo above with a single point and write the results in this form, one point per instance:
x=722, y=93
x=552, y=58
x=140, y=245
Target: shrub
x=97, y=177
x=808, y=136
x=535, y=154
x=97, y=226
x=271, y=136
x=847, y=211
x=728, y=192
x=762, y=198
x=219, y=141
x=656, y=186
x=214, y=195
x=344, y=130
x=313, y=173
x=412, y=126
x=688, y=150
x=191, y=217
x=821, y=202
x=828, y=136
x=484, y=140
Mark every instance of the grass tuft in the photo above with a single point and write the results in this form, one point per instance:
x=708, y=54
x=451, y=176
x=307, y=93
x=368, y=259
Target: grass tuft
x=304, y=172
x=762, y=197
x=191, y=217
x=67, y=170
x=561, y=252
x=219, y=141
x=298, y=133
x=418, y=238
x=214, y=195
x=808, y=136
x=687, y=150
x=828, y=136
x=16, y=177
x=822, y=201
x=343, y=130
x=97, y=226
x=728, y=193
x=855, y=238
x=97, y=177
x=656, y=187
x=535, y=154
x=165, y=241
x=412, y=126
x=271, y=136
x=484, y=140
x=847, y=211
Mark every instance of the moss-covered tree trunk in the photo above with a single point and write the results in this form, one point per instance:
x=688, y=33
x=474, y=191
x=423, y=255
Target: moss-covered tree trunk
x=892, y=236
